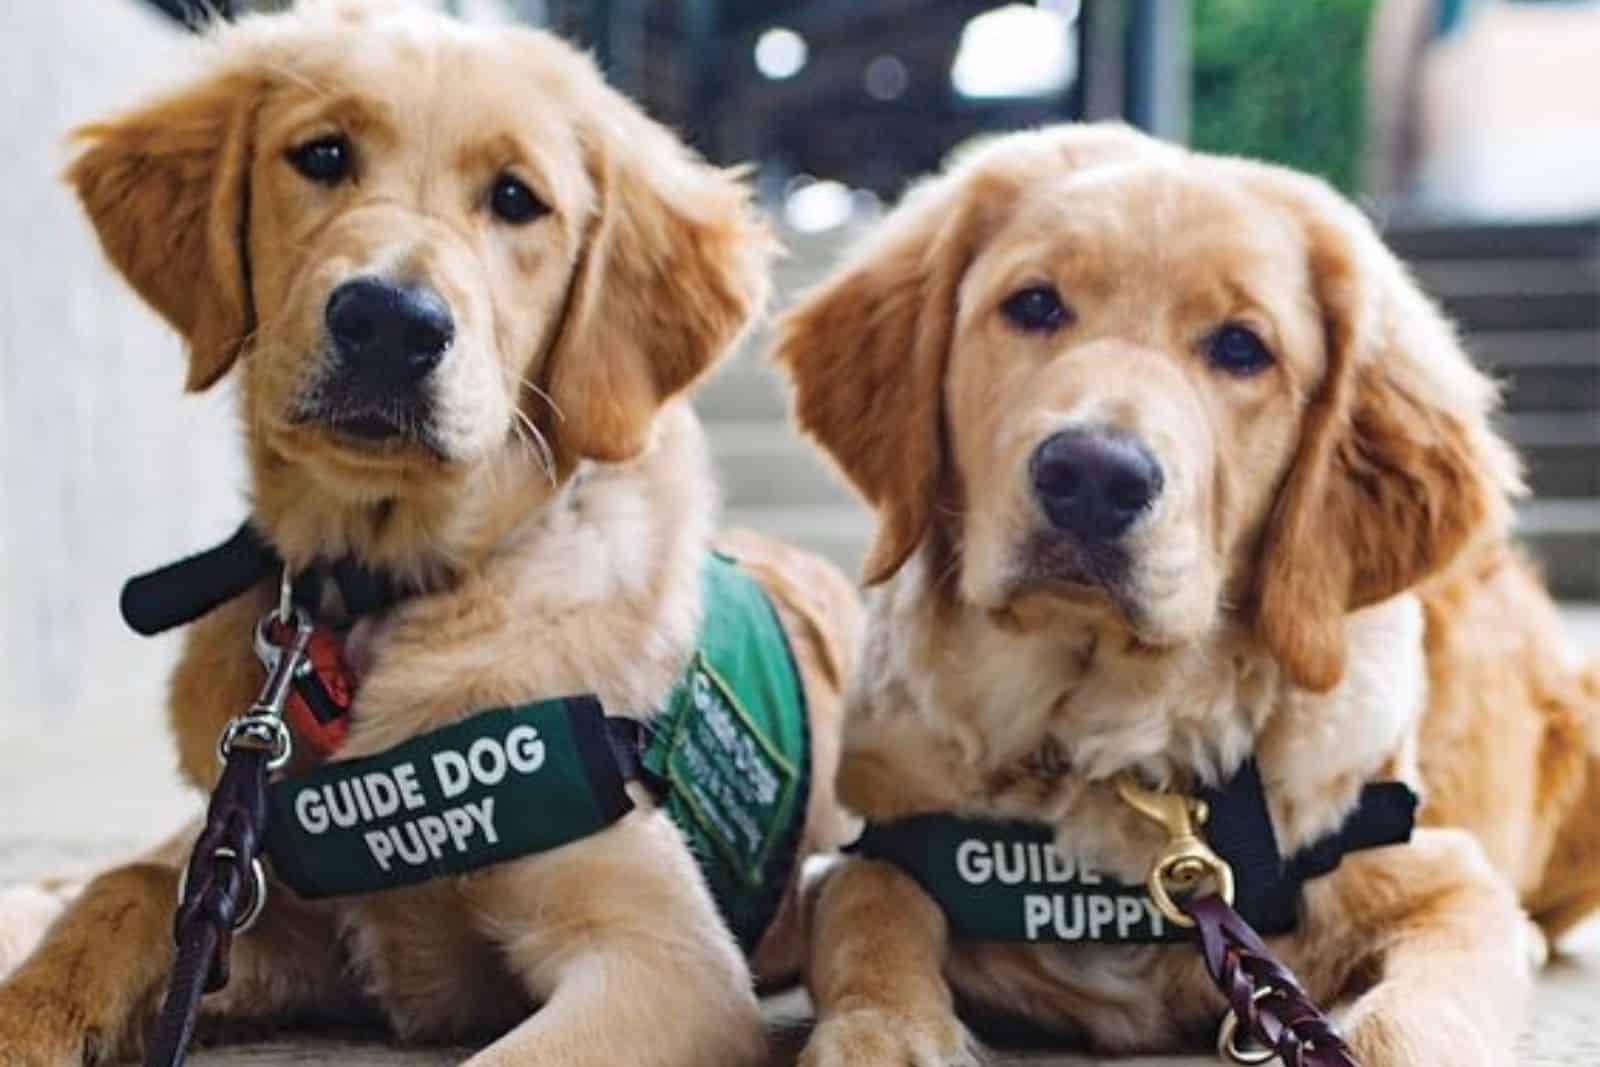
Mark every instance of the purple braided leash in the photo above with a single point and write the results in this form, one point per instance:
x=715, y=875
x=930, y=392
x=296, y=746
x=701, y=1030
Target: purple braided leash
x=1268, y=1002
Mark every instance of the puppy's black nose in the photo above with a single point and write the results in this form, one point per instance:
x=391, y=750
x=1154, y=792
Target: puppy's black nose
x=389, y=334
x=1092, y=483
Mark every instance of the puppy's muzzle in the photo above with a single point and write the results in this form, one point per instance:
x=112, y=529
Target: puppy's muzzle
x=1093, y=484
x=385, y=340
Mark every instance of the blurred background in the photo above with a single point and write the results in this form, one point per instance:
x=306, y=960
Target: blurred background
x=1469, y=128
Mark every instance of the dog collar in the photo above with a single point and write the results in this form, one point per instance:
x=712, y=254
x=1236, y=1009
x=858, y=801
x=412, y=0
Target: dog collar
x=181, y=592
x=1006, y=881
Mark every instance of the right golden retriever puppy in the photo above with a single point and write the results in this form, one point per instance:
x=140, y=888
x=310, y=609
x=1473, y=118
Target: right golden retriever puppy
x=1180, y=480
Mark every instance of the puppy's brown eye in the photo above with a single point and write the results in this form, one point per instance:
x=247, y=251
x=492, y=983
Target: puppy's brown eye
x=325, y=159
x=1036, y=309
x=1238, y=350
x=512, y=201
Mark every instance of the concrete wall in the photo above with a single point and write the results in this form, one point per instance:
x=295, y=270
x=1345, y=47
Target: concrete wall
x=103, y=468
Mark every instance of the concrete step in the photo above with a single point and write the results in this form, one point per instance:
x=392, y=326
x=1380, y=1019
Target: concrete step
x=839, y=533
x=1571, y=389
x=1429, y=240
x=1543, y=370
x=1556, y=305
x=1564, y=535
x=767, y=465
x=1561, y=450
x=1448, y=279
x=1512, y=351
x=746, y=388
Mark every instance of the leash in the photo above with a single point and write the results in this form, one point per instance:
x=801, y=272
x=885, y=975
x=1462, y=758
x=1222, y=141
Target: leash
x=224, y=889
x=1266, y=1003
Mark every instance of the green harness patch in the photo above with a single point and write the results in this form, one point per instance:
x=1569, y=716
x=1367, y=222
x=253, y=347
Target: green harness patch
x=1006, y=881
x=495, y=786
x=729, y=748
x=731, y=742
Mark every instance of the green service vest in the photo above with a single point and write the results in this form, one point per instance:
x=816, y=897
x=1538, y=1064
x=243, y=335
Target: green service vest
x=727, y=753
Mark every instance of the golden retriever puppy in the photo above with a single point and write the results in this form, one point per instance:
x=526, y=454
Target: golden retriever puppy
x=1175, y=469
x=463, y=286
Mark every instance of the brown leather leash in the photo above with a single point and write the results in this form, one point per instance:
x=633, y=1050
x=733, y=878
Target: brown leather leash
x=1266, y=1003
x=224, y=888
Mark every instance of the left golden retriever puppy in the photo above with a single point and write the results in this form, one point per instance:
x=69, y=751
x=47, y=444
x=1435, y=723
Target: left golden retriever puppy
x=463, y=286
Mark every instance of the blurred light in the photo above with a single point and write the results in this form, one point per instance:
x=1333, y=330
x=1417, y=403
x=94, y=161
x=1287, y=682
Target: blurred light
x=886, y=78
x=780, y=53
x=819, y=206
x=1067, y=9
x=797, y=182
x=1016, y=50
x=865, y=206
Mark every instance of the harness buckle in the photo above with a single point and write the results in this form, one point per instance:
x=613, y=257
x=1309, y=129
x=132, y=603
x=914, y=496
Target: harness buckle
x=1187, y=861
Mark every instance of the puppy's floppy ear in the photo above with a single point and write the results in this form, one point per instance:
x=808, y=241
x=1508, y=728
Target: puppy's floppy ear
x=165, y=187
x=674, y=266
x=866, y=352
x=1398, y=470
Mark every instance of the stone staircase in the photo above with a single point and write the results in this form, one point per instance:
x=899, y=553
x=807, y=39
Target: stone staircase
x=1527, y=297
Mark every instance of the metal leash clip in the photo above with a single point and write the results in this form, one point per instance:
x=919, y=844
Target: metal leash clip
x=1187, y=861
x=262, y=726
x=1179, y=870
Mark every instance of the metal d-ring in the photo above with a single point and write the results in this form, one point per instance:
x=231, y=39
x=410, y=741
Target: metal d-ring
x=258, y=888
x=1228, y=1037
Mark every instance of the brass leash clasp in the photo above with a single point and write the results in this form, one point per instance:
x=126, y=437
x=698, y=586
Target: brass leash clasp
x=1187, y=862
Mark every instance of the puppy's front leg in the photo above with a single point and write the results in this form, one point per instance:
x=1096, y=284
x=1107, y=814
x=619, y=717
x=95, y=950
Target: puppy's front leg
x=1453, y=969
x=878, y=948
x=619, y=939
x=93, y=983
x=87, y=985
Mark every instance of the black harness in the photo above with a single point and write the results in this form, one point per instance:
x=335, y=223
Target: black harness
x=1005, y=881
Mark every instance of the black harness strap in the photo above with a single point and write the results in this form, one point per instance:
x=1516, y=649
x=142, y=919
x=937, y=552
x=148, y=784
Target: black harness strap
x=1267, y=886
x=181, y=592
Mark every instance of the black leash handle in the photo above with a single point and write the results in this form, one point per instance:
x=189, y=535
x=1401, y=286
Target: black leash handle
x=181, y=592
x=222, y=893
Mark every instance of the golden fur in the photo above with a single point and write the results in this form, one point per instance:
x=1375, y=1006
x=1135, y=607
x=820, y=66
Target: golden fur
x=1325, y=582
x=557, y=521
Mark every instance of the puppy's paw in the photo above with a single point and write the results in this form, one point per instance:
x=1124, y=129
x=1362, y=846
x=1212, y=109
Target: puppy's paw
x=1386, y=1029
x=867, y=1038
x=26, y=912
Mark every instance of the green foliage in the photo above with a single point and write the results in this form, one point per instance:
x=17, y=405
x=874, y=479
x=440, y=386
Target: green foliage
x=1282, y=80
